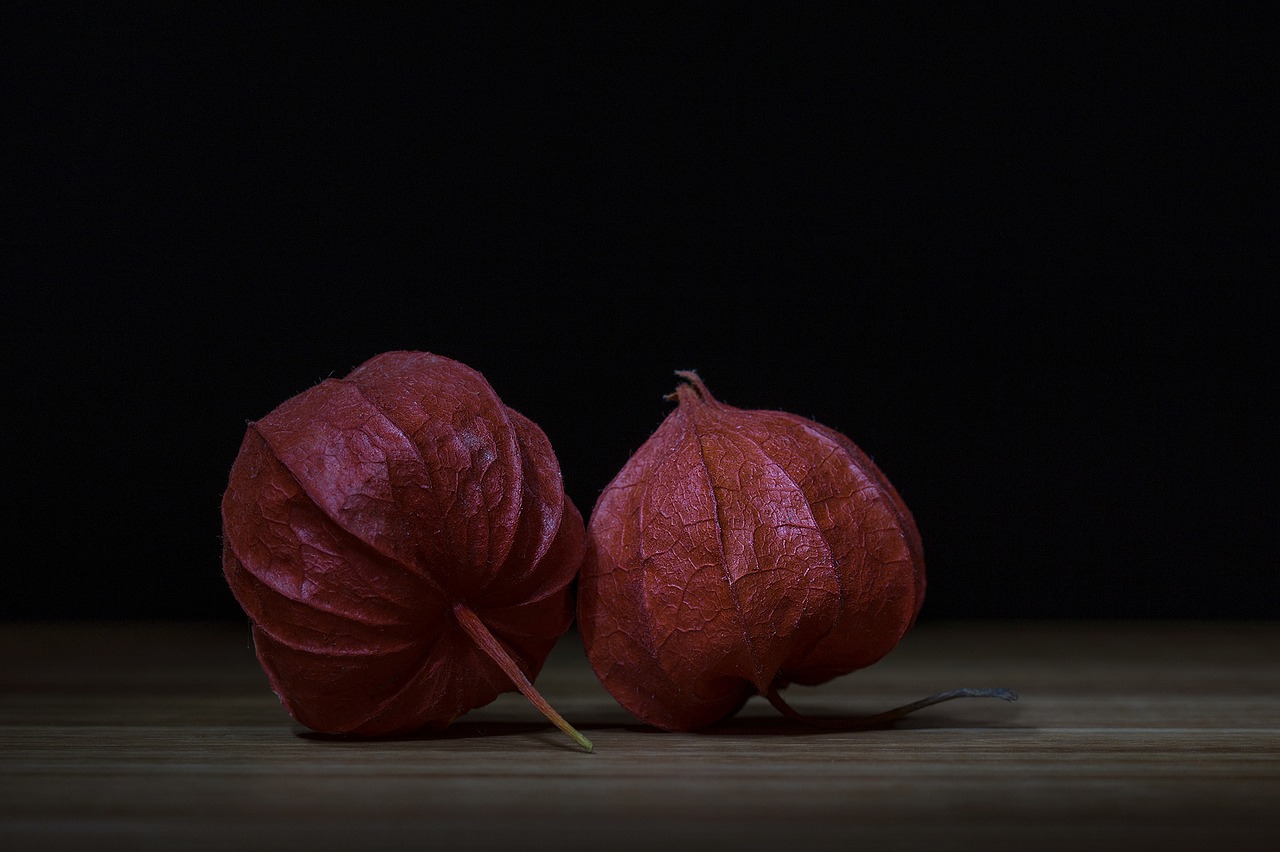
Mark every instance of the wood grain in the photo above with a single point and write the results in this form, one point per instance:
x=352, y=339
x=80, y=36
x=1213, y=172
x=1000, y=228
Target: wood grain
x=1128, y=735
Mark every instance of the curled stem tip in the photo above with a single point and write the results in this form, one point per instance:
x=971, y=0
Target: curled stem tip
x=691, y=389
x=488, y=643
x=880, y=720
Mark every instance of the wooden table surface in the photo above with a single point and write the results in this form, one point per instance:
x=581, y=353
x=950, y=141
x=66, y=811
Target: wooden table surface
x=1128, y=735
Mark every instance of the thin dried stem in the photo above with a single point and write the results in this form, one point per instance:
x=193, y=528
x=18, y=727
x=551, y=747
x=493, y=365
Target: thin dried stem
x=488, y=643
x=881, y=720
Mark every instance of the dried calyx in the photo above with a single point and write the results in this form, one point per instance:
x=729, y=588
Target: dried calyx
x=403, y=546
x=739, y=551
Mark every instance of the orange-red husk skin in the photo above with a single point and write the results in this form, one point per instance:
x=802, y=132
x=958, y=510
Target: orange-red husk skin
x=360, y=512
x=739, y=551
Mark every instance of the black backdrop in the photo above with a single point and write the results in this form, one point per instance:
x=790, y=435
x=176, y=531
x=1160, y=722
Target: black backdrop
x=1019, y=259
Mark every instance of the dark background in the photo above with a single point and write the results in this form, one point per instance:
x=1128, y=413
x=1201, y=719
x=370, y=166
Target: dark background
x=1020, y=257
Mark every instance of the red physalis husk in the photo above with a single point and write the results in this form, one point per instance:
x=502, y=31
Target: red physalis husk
x=403, y=546
x=737, y=552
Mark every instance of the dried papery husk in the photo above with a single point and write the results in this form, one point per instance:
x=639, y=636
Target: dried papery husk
x=403, y=546
x=737, y=552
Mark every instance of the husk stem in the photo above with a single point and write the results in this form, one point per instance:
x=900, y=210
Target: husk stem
x=888, y=717
x=691, y=389
x=488, y=643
